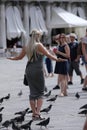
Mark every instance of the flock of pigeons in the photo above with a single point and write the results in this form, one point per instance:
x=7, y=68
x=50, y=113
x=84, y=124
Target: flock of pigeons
x=18, y=122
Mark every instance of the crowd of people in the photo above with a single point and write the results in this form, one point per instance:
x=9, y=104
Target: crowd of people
x=67, y=56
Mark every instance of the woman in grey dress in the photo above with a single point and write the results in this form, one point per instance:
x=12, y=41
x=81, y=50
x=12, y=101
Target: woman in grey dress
x=35, y=51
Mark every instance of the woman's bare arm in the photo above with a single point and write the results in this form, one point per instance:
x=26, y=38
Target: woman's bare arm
x=84, y=50
x=44, y=51
x=20, y=56
x=66, y=54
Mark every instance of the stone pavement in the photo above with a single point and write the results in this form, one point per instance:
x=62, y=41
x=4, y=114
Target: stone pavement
x=64, y=113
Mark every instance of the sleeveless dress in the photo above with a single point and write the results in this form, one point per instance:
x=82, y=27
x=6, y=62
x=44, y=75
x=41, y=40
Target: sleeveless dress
x=61, y=67
x=35, y=76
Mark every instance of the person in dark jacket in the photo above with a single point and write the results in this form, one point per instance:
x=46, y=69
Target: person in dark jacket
x=74, y=63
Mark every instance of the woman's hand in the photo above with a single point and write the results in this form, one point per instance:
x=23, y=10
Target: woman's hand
x=61, y=60
x=10, y=58
x=20, y=56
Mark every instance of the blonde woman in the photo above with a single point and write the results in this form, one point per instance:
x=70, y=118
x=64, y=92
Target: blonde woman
x=35, y=51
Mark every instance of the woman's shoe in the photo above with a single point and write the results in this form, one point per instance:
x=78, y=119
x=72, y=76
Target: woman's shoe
x=84, y=88
x=56, y=87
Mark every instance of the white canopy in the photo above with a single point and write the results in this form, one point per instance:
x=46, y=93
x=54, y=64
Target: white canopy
x=14, y=23
x=37, y=20
x=63, y=19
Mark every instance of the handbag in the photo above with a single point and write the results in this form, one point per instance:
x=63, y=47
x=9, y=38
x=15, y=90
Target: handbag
x=25, y=82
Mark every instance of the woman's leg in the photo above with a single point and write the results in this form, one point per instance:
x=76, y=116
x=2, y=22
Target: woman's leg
x=65, y=85
x=39, y=105
x=63, y=80
x=61, y=83
x=33, y=106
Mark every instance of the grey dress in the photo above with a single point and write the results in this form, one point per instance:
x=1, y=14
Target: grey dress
x=35, y=76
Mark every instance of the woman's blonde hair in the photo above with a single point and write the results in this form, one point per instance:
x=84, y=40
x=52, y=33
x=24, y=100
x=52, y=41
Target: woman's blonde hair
x=35, y=36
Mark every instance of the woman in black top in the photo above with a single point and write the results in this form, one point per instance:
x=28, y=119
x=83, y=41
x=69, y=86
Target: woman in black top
x=61, y=68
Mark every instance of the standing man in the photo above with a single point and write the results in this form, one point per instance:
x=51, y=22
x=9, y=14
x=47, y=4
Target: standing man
x=74, y=63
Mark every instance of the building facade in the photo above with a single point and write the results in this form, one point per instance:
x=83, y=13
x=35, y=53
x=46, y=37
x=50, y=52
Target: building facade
x=77, y=7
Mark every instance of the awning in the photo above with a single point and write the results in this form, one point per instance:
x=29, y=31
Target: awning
x=14, y=23
x=63, y=19
x=36, y=19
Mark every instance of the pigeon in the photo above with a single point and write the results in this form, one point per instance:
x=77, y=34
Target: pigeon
x=18, y=119
x=22, y=112
x=47, y=94
x=47, y=109
x=1, y=99
x=7, y=97
x=83, y=112
x=1, y=109
x=27, y=125
x=84, y=107
x=77, y=95
x=6, y=123
x=14, y=126
x=20, y=93
x=53, y=99
x=44, y=122
x=29, y=111
x=0, y=117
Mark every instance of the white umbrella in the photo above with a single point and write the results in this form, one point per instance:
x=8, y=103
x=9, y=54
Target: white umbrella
x=63, y=19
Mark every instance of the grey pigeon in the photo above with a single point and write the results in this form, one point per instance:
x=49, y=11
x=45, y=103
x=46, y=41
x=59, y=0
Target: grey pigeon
x=44, y=122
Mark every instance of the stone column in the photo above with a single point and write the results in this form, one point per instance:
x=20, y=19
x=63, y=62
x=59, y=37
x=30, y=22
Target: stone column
x=26, y=21
x=48, y=17
x=69, y=9
x=3, y=27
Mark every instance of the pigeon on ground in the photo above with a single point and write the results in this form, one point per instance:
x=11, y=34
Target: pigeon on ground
x=44, y=122
x=6, y=123
x=20, y=93
x=1, y=99
x=83, y=112
x=0, y=117
x=18, y=119
x=27, y=125
x=47, y=109
x=77, y=95
x=22, y=112
x=7, y=97
x=84, y=106
x=53, y=99
x=14, y=126
x=47, y=94
x=1, y=109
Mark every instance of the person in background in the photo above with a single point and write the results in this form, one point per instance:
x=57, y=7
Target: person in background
x=74, y=63
x=84, y=51
x=44, y=67
x=35, y=51
x=48, y=61
x=57, y=40
x=85, y=125
x=61, y=68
